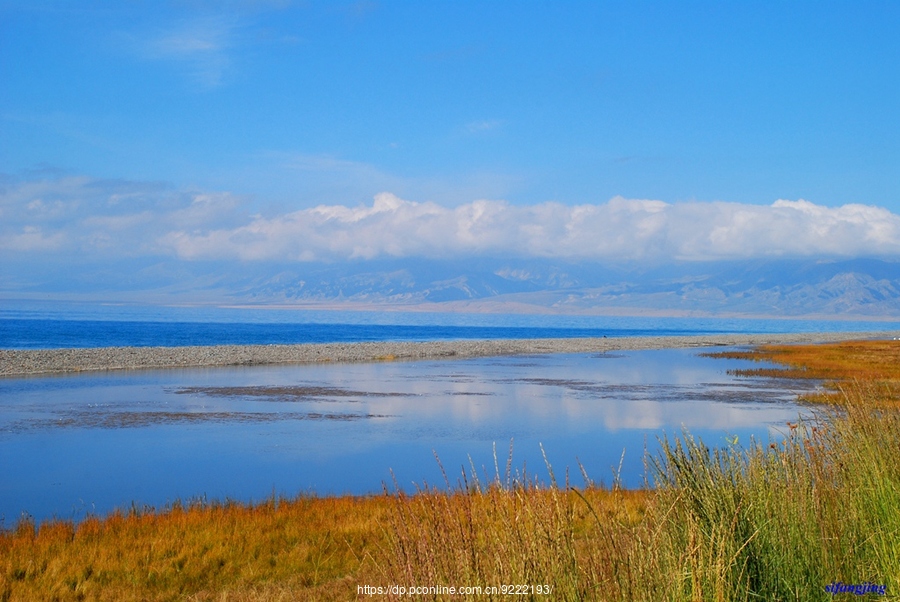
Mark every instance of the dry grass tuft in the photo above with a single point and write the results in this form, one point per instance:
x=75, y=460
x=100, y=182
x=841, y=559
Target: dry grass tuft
x=508, y=531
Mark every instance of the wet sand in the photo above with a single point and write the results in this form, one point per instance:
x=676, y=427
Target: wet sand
x=49, y=361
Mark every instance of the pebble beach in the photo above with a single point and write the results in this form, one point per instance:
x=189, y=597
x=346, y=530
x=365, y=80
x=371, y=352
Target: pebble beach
x=24, y=362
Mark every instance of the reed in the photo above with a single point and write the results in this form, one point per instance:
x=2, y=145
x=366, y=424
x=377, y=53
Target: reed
x=780, y=521
x=512, y=530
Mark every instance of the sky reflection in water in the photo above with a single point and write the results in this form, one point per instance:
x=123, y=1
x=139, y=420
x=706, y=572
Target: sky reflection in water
x=70, y=445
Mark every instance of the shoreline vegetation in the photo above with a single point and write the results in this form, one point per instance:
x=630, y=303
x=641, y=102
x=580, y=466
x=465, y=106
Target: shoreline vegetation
x=25, y=362
x=762, y=520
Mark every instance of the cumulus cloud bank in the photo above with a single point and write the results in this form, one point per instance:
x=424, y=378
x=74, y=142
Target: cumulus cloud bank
x=621, y=229
x=82, y=215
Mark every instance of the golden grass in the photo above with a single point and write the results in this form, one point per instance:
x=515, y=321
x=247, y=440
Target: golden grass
x=509, y=534
x=303, y=549
x=307, y=548
x=837, y=364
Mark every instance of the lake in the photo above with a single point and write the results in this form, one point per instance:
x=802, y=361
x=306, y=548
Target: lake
x=88, y=443
x=49, y=325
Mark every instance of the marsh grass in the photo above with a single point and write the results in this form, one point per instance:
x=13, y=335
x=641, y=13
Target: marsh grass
x=874, y=362
x=775, y=520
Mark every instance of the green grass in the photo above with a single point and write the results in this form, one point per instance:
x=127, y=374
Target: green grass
x=780, y=523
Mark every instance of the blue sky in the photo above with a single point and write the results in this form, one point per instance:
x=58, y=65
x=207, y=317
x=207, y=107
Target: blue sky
x=213, y=129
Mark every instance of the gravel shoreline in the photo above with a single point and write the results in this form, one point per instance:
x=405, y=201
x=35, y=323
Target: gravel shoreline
x=23, y=362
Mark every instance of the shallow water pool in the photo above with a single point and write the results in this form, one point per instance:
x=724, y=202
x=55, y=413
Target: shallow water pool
x=88, y=443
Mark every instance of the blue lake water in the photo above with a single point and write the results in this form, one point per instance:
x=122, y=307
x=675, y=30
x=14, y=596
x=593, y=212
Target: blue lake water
x=35, y=325
x=88, y=443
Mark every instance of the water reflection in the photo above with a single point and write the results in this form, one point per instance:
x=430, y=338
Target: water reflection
x=89, y=443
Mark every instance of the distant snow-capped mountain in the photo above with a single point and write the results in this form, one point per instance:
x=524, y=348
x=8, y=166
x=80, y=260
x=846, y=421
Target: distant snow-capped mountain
x=787, y=287
x=795, y=287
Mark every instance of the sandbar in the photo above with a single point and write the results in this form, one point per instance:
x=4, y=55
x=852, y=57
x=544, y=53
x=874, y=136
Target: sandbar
x=23, y=362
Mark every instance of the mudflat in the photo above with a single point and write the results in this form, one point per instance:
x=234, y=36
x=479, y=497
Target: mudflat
x=22, y=362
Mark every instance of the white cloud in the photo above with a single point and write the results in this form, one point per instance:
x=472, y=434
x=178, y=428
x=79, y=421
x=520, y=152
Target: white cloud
x=91, y=216
x=477, y=127
x=201, y=45
x=31, y=239
x=621, y=229
x=84, y=216
x=207, y=40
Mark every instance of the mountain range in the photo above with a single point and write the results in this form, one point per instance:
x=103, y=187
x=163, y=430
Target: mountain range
x=864, y=288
